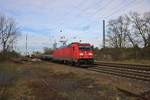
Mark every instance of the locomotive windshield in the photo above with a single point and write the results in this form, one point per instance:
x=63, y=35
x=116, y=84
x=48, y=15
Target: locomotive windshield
x=85, y=48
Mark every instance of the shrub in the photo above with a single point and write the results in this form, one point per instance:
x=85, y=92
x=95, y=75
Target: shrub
x=8, y=55
x=122, y=53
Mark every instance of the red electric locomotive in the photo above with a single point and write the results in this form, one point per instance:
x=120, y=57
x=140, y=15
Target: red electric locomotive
x=75, y=53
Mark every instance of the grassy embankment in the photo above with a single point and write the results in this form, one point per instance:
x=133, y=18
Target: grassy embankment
x=37, y=81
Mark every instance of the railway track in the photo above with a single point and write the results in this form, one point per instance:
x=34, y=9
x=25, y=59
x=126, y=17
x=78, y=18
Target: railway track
x=133, y=71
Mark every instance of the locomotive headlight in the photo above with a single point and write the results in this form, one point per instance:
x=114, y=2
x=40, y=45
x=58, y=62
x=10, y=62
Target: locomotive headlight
x=81, y=54
x=90, y=54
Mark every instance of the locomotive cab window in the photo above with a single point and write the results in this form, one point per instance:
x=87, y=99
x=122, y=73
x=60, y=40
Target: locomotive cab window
x=85, y=48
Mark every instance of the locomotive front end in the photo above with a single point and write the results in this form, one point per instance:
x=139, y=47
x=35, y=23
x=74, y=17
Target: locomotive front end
x=86, y=54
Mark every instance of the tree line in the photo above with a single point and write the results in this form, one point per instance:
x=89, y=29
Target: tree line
x=130, y=30
x=9, y=31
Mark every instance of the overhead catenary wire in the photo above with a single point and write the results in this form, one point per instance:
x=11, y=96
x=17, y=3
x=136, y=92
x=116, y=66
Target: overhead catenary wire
x=121, y=8
x=106, y=5
x=103, y=7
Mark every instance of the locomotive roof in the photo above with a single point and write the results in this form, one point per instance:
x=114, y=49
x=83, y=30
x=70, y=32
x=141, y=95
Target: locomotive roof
x=82, y=44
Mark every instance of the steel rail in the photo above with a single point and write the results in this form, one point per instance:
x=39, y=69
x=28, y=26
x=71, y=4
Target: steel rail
x=129, y=66
x=137, y=72
x=122, y=75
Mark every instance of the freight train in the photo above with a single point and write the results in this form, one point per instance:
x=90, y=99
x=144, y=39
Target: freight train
x=74, y=54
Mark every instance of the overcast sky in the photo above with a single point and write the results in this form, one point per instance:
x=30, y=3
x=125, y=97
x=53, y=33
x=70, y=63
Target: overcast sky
x=42, y=20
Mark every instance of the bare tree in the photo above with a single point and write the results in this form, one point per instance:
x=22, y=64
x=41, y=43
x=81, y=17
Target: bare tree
x=140, y=25
x=147, y=27
x=118, y=32
x=128, y=30
x=8, y=33
x=47, y=50
x=112, y=39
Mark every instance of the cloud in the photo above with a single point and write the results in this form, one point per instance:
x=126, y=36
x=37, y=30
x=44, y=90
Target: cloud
x=85, y=28
x=42, y=19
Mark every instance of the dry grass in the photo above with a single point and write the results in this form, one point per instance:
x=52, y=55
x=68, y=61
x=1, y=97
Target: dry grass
x=38, y=81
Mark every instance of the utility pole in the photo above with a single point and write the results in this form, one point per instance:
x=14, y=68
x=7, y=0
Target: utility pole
x=26, y=45
x=103, y=33
x=50, y=39
x=63, y=39
x=55, y=45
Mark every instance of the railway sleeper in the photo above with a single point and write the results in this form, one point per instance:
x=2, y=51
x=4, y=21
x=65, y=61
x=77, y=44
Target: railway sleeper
x=122, y=75
x=125, y=70
x=126, y=66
